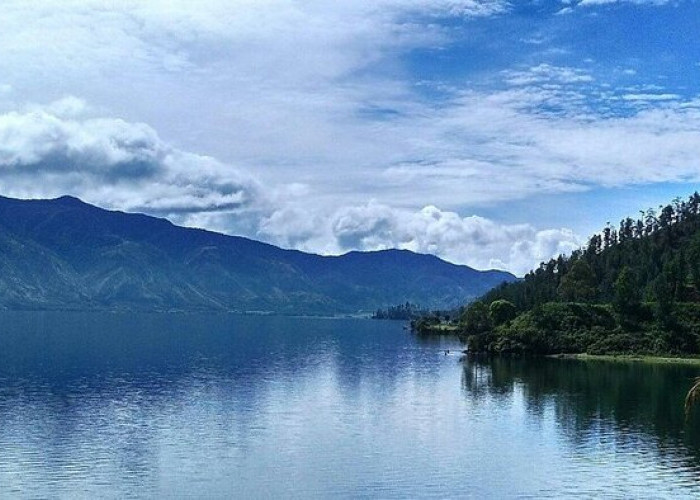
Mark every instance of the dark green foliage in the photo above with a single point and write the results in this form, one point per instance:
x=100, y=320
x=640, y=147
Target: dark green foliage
x=555, y=328
x=404, y=312
x=476, y=318
x=627, y=298
x=478, y=321
x=664, y=297
x=654, y=259
x=579, y=284
x=501, y=311
x=694, y=261
x=670, y=241
x=565, y=327
x=425, y=324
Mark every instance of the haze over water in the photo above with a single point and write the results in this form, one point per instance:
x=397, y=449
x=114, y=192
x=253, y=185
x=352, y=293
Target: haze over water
x=219, y=405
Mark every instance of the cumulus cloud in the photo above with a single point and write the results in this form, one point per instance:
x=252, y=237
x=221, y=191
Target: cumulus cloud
x=473, y=240
x=302, y=91
x=288, y=76
x=272, y=114
x=57, y=150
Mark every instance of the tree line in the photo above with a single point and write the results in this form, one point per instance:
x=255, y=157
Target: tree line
x=656, y=257
x=405, y=311
x=641, y=269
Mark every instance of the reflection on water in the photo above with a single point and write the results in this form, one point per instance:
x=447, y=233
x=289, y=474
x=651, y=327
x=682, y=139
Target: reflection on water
x=624, y=415
x=220, y=405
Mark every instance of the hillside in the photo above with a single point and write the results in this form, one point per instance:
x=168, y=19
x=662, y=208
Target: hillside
x=634, y=288
x=66, y=254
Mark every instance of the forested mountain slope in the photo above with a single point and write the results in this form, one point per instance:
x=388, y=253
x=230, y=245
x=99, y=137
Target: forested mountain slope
x=635, y=287
x=66, y=254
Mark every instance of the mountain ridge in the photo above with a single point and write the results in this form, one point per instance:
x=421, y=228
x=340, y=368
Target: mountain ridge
x=63, y=253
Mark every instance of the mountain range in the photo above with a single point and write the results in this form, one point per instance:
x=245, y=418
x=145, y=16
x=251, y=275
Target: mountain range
x=66, y=254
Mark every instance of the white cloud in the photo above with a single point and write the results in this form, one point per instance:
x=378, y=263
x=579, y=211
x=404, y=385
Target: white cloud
x=114, y=163
x=547, y=73
x=483, y=148
x=586, y=3
x=124, y=165
x=66, y=107
x=308, y=93
x=301, y=107
x=650, y=97
x=475, y=241
x=118, y=164
x=490, y=147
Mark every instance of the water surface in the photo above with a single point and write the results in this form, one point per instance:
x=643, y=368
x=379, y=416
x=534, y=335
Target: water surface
x=216, y=406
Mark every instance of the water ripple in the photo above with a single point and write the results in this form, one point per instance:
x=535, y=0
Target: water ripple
x=215, y=407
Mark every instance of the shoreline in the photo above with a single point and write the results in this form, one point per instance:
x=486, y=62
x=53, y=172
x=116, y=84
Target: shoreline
x=629, y=358
x=442, y=329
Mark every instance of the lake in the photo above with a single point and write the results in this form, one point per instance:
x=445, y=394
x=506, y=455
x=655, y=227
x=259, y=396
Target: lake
x=217, y=406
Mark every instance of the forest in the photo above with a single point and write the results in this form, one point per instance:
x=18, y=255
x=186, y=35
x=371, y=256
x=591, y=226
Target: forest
x=634, y=288
x=402, y=312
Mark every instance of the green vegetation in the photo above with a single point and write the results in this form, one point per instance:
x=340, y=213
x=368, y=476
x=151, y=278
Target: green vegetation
x=632, y=290
x=435, y=324
x=631, y=358
x=404, y=312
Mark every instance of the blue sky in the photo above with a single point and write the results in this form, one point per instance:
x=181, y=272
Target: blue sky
x=488, y=132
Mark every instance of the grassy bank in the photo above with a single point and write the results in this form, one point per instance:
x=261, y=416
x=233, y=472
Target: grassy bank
x=436, y=329
x=630, y=358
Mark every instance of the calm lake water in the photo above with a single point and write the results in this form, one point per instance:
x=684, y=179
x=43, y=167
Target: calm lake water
x=216, y=406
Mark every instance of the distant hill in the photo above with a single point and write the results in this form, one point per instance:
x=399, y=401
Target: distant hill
x=67, y=254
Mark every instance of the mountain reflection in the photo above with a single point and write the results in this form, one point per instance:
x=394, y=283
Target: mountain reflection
x=96, y=405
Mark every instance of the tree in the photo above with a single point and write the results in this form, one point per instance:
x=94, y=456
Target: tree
x=650, y=222
x=606, y=237
x=626, y=289
x=675, y=273
x=663, y=294
x=694, y=203
x=654, y=258
x=666, y=216
x=476, y=318
x=501, y=311
x=626, y=229
x=694, y=261
x=579, y=284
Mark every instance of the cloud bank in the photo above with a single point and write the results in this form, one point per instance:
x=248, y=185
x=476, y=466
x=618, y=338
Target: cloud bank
x=279, y=119
x=59, y=149
x=114, y=163
x=473, y=240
